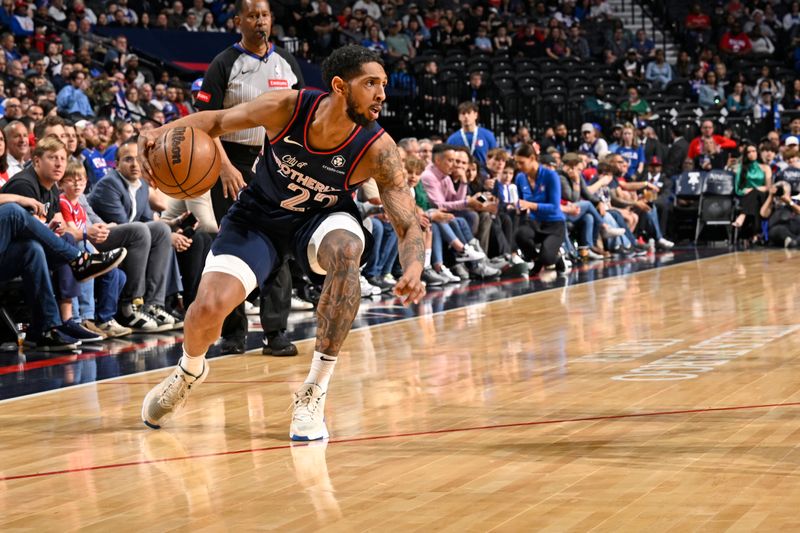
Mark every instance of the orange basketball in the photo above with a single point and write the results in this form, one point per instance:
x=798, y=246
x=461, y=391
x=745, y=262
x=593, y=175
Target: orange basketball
x=185, y=162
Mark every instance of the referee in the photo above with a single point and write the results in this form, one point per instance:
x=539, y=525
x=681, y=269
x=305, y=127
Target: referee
x=239, y=74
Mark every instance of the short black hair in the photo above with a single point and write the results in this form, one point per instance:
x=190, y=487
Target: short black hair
x=440, y=148
x=132, y=140
x=346, y=62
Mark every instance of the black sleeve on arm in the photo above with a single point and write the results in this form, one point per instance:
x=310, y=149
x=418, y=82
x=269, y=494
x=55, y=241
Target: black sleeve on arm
x=21, y=187
x=289, y=58
x=215, y=82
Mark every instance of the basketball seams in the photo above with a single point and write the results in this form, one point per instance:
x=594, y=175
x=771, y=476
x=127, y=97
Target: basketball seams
x=191, y=156
x=210, y=168
x=169, y=163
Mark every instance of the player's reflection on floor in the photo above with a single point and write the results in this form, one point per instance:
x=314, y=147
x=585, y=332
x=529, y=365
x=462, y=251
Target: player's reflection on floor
x=311, y=470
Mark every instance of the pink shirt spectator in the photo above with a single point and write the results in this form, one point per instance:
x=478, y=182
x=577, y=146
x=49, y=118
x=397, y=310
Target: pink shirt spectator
x=441, y=191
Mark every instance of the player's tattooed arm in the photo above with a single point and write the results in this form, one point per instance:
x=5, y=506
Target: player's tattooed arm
x=399, y=206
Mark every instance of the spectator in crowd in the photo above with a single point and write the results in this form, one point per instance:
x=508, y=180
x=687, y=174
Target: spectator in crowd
x=19, y=150
x=577, y=43
x=442, y=194
x=711, y=95
x=107, y=287
x=593, y=145
x=384, y=251
x=677, y=153
x=766, y=108
x=783, y=214
x=707, y=135
x=735, y=42
x=541, y=235
x=635, y=105
x=632, y=151
x=712, y=157
x=658, y=71
x=643, y=45
x=658, y=191
x=698, y=26
x=738, y=100
x=72, y=99
x=630, y=68
x=476, y=139
x=3, y=159
x=597, y=107
x=753, y=181
x=12, y=110
x=580, y=208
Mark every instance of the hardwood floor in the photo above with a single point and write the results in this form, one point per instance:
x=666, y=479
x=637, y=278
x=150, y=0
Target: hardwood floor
x=666, y=400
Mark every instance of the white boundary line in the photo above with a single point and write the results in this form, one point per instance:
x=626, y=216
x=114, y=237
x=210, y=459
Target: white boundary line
x=388, y=323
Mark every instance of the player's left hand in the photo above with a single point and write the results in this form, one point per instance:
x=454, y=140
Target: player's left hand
x=409, y=287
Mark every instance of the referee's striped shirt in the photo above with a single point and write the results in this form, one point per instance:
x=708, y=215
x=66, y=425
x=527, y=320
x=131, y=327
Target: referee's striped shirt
x=237, y=75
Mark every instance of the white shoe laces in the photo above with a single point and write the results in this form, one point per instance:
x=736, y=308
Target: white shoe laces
x=175, y=391
x=305, y=405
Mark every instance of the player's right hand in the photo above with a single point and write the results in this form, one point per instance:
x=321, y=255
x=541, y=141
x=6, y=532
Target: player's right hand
x=232, y=180
x=147, y=141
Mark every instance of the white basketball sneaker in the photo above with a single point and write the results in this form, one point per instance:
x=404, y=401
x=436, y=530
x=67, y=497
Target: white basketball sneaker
x=169, y=396
x=308, y=419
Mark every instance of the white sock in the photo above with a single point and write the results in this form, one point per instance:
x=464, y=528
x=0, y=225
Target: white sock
x=427, y=257
x=321, y=370
x=193, y=364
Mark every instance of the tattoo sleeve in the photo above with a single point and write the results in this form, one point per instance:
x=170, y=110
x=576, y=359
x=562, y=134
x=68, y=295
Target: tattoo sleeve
x=399, y=206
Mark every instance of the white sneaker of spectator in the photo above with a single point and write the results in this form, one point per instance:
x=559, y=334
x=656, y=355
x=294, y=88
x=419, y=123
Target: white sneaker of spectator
x=368, y=289
x=388, y=278
x=448, y=275
x=112, y=329
x=594, y=256
x=608, y=232
x=300, y=305
x=664, y=244
x=132, y=316
x=483, y=269
x=469, y=254
x=251, y=309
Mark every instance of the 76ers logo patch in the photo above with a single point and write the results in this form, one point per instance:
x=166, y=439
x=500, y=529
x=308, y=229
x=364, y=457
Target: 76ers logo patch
x=338, y=161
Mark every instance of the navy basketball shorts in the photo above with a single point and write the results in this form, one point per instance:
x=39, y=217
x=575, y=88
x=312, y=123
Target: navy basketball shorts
x=251, y=252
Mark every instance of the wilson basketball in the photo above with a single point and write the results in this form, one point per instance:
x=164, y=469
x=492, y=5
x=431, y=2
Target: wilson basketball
x=185, y=162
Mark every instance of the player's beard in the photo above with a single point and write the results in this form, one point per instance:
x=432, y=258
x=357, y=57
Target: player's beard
x=355, y=116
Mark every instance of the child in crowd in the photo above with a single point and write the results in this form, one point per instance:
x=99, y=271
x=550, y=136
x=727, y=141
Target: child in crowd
x=98, y=319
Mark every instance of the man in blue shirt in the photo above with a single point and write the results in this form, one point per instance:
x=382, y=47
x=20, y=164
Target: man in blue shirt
x=72, y=101
x=539, y=194
x=478, y=140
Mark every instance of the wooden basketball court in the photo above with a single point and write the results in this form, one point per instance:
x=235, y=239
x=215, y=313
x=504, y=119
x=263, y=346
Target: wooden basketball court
x=666, y=400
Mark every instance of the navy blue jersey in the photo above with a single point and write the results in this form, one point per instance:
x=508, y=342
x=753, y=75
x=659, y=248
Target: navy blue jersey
x=295, y=181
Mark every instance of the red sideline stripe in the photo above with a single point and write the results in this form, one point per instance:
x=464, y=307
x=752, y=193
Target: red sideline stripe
x=401, y=435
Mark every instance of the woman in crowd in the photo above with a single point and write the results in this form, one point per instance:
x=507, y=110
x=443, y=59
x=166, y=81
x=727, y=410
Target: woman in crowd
x=540, y=236
x=632, y=151
x=739, y=101
x=753, y=180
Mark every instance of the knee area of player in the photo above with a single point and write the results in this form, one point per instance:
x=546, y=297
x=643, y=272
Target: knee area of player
x=340, y=248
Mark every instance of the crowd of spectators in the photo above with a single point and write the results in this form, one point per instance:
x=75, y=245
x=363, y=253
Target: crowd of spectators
x=531, y=196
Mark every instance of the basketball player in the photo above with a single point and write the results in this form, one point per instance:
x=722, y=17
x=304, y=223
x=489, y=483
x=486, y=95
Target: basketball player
x=319, y=147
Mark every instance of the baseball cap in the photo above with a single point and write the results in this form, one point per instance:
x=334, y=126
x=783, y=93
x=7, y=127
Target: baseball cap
x=81, y=124
x=790, y=140
x=655, y=161
x=587, y=126
x=197, y=85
